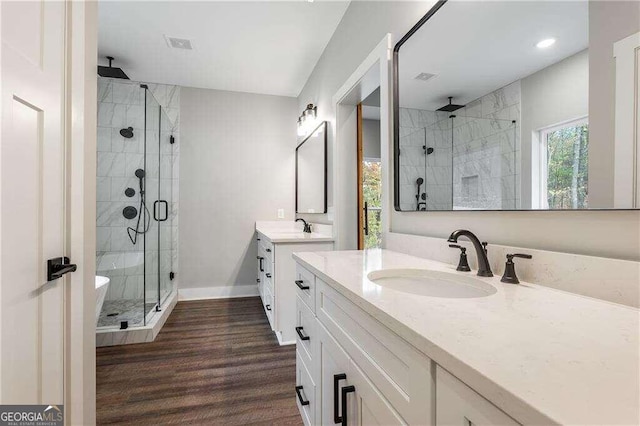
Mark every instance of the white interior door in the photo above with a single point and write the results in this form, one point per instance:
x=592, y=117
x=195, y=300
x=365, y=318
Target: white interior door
x=32, y=205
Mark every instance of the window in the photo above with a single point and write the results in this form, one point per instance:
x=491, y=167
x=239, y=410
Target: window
x=564, y=166
x=372, y=194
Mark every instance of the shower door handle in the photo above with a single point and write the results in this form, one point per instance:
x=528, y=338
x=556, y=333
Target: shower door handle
x=156, y=210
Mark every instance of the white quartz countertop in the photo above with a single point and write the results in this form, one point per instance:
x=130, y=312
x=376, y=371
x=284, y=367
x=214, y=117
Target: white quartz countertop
x=542, y=355
x=290, y=234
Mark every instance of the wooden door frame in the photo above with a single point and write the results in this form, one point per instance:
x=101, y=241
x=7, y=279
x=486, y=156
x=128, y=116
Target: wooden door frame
x=360, y=158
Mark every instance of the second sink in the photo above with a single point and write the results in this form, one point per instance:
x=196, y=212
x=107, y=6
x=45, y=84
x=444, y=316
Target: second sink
x=431, y=283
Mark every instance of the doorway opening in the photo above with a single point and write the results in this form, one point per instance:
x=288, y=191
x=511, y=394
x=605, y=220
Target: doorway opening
x=369, y=165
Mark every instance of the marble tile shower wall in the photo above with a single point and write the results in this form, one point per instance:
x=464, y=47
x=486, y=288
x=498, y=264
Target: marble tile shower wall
x=484, y=172
x=120, y=105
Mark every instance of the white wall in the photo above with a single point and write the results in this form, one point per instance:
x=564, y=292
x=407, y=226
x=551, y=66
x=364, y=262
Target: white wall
x=552, y=96
x=609, y=21
x=350, y=45
x=613, y=234
x=371, y=138
x=237, y=161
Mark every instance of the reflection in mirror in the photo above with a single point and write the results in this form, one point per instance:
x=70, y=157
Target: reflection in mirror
x=311, y=172
x=493, y=109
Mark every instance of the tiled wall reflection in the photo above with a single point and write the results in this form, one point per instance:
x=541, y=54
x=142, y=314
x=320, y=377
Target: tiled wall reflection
x=475, y=161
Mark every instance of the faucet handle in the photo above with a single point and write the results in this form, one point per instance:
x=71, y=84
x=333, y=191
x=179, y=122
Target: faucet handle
x=462, y=249
x=523, y=256
x=509, y=275
x=463, y=264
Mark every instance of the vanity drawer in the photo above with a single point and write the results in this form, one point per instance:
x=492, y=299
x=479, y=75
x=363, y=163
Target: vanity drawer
x=401, y=373
x=267, y=246
x=458, y=404
x=268, y=284
x=305, y=392
x=305, y=283
x=306, y=333
x=269, y=303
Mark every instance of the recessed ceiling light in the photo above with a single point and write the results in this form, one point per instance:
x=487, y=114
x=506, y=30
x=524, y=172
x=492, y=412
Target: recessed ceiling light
x=547, y=42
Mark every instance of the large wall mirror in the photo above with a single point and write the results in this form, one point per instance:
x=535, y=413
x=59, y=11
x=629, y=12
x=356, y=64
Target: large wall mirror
x=311, y=172
x=527, y=105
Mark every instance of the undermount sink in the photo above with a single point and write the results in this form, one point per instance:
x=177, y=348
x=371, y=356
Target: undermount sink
x=424, y=282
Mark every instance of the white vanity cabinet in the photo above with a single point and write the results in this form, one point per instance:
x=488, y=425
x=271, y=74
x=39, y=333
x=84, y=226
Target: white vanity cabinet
x=276, y=277
x=351, y=363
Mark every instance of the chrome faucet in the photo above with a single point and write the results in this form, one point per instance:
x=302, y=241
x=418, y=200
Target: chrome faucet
x=307, y=226
x=484, y=269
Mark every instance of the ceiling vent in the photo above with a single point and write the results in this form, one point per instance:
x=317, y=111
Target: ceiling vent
x=424, y=76
x=179, y=43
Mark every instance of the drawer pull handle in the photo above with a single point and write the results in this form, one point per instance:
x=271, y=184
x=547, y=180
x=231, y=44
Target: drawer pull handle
x=258, y=280
x=336, y=399
x=268, y=307
x=268, y=275
x=260, y=259
x=346, y=390
x=268, y=250
x=300, y=285
x=300, y=398
x=302, y=336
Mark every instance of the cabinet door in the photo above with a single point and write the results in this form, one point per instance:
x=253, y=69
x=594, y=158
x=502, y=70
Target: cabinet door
x=366, y=405
x=334, y=375
x=457, y=404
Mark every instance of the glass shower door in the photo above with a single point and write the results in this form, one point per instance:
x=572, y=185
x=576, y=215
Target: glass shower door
x=167, y=223
x=151, y=194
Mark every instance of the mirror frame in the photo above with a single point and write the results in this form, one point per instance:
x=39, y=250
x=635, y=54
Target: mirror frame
x=322, y=124
x=396, y=135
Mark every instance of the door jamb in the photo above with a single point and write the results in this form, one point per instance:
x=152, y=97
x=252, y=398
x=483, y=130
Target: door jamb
x=80, y=239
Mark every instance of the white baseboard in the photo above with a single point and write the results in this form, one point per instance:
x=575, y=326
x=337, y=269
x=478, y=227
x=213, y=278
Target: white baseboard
x=224, y=292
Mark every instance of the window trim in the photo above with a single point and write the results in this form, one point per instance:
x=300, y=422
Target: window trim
x=540, y=190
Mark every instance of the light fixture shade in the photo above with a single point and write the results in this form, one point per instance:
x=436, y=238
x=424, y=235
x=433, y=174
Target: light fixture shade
x=307, y=121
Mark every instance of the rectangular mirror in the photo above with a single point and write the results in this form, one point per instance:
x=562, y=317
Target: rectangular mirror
x=311, y=172
x=502, y=105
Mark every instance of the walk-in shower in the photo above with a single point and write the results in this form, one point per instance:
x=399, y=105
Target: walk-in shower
x=136, y=208
x=454, y=161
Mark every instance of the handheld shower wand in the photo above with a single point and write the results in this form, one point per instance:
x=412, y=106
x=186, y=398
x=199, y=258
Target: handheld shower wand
x=134, y=232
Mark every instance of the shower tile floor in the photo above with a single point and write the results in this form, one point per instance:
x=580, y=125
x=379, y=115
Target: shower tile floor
x=115, y=311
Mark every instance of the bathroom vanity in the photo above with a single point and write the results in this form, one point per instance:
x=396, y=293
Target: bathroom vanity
x=373, y=350
x=276, y=272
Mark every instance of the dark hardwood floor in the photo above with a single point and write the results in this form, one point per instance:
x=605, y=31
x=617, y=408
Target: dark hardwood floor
x=215, y=362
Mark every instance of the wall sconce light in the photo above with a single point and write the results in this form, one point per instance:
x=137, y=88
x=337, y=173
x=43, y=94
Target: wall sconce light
x=307, y=121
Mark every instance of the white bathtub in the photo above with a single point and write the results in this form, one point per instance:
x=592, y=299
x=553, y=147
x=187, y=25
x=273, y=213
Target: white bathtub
x=102, y=284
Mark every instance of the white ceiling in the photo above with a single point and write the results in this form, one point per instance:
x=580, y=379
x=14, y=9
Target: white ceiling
x=258, y=46
x=476, y=47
